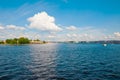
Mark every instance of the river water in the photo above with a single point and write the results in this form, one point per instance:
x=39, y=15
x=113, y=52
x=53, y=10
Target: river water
x=60, y=61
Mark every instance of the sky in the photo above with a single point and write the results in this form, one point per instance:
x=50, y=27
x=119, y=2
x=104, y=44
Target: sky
x=60, y=20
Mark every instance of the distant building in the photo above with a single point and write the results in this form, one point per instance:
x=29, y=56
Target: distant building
x=37, y=42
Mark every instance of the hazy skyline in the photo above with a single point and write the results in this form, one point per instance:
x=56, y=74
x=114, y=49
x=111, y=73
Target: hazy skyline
x=60, y=20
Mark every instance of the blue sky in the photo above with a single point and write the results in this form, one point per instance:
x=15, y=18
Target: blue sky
x=72, y=19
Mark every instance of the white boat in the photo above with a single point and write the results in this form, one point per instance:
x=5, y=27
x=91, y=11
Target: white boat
x=104, y=44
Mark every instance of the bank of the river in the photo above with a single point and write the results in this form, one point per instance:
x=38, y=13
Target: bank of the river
x=22, y=40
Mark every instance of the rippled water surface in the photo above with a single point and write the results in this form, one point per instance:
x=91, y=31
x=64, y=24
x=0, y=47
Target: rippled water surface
x=60, y=62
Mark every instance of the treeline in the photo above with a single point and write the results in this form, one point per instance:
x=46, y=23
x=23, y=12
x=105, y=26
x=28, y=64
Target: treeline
x=20, y=40
x=1, y=42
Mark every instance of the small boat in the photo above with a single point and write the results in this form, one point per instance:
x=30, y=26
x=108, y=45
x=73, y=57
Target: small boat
x=104, y=44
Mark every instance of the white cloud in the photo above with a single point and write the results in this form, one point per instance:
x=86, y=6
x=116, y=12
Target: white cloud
x=71, y=28
x=72, y=35
x=44, y=22
x=117, y=34
x=31, y=35
x=51, y=36
x=86, y=34
x=1, y=28
x=114, y=36
x=11, y=31
x=68, y=35
x=46, y=30
x=14, y=27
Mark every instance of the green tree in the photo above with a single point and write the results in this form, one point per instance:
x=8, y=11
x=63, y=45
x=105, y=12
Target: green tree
x=44, y=41
x=23, y=40
x=15, y=41
x=9, y=41
x=12, y=41
x=37, y=40
x=1, y=42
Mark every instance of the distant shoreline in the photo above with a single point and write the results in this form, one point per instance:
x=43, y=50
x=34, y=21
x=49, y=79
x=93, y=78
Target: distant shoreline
x=21, y=40
x=87, y=42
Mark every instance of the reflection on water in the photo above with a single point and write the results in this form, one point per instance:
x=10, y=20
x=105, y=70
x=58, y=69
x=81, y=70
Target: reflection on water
x=43, y=60
x=60, y=62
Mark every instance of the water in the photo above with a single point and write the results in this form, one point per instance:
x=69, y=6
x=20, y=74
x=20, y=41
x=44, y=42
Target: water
x=60, y=62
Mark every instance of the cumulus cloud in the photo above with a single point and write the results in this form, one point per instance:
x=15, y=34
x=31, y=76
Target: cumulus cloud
x=46, y=29
x=71, y=28
x=44, y=22
x=1, y=27
x=80, y=37
x=114, y=36
x=72, y=35
x=14, y=27
x=117, y=34
x=51, y=36
x=11, y=31
x=110, y=37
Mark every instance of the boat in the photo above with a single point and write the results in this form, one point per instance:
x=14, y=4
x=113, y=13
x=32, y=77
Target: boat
x=104, y=44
